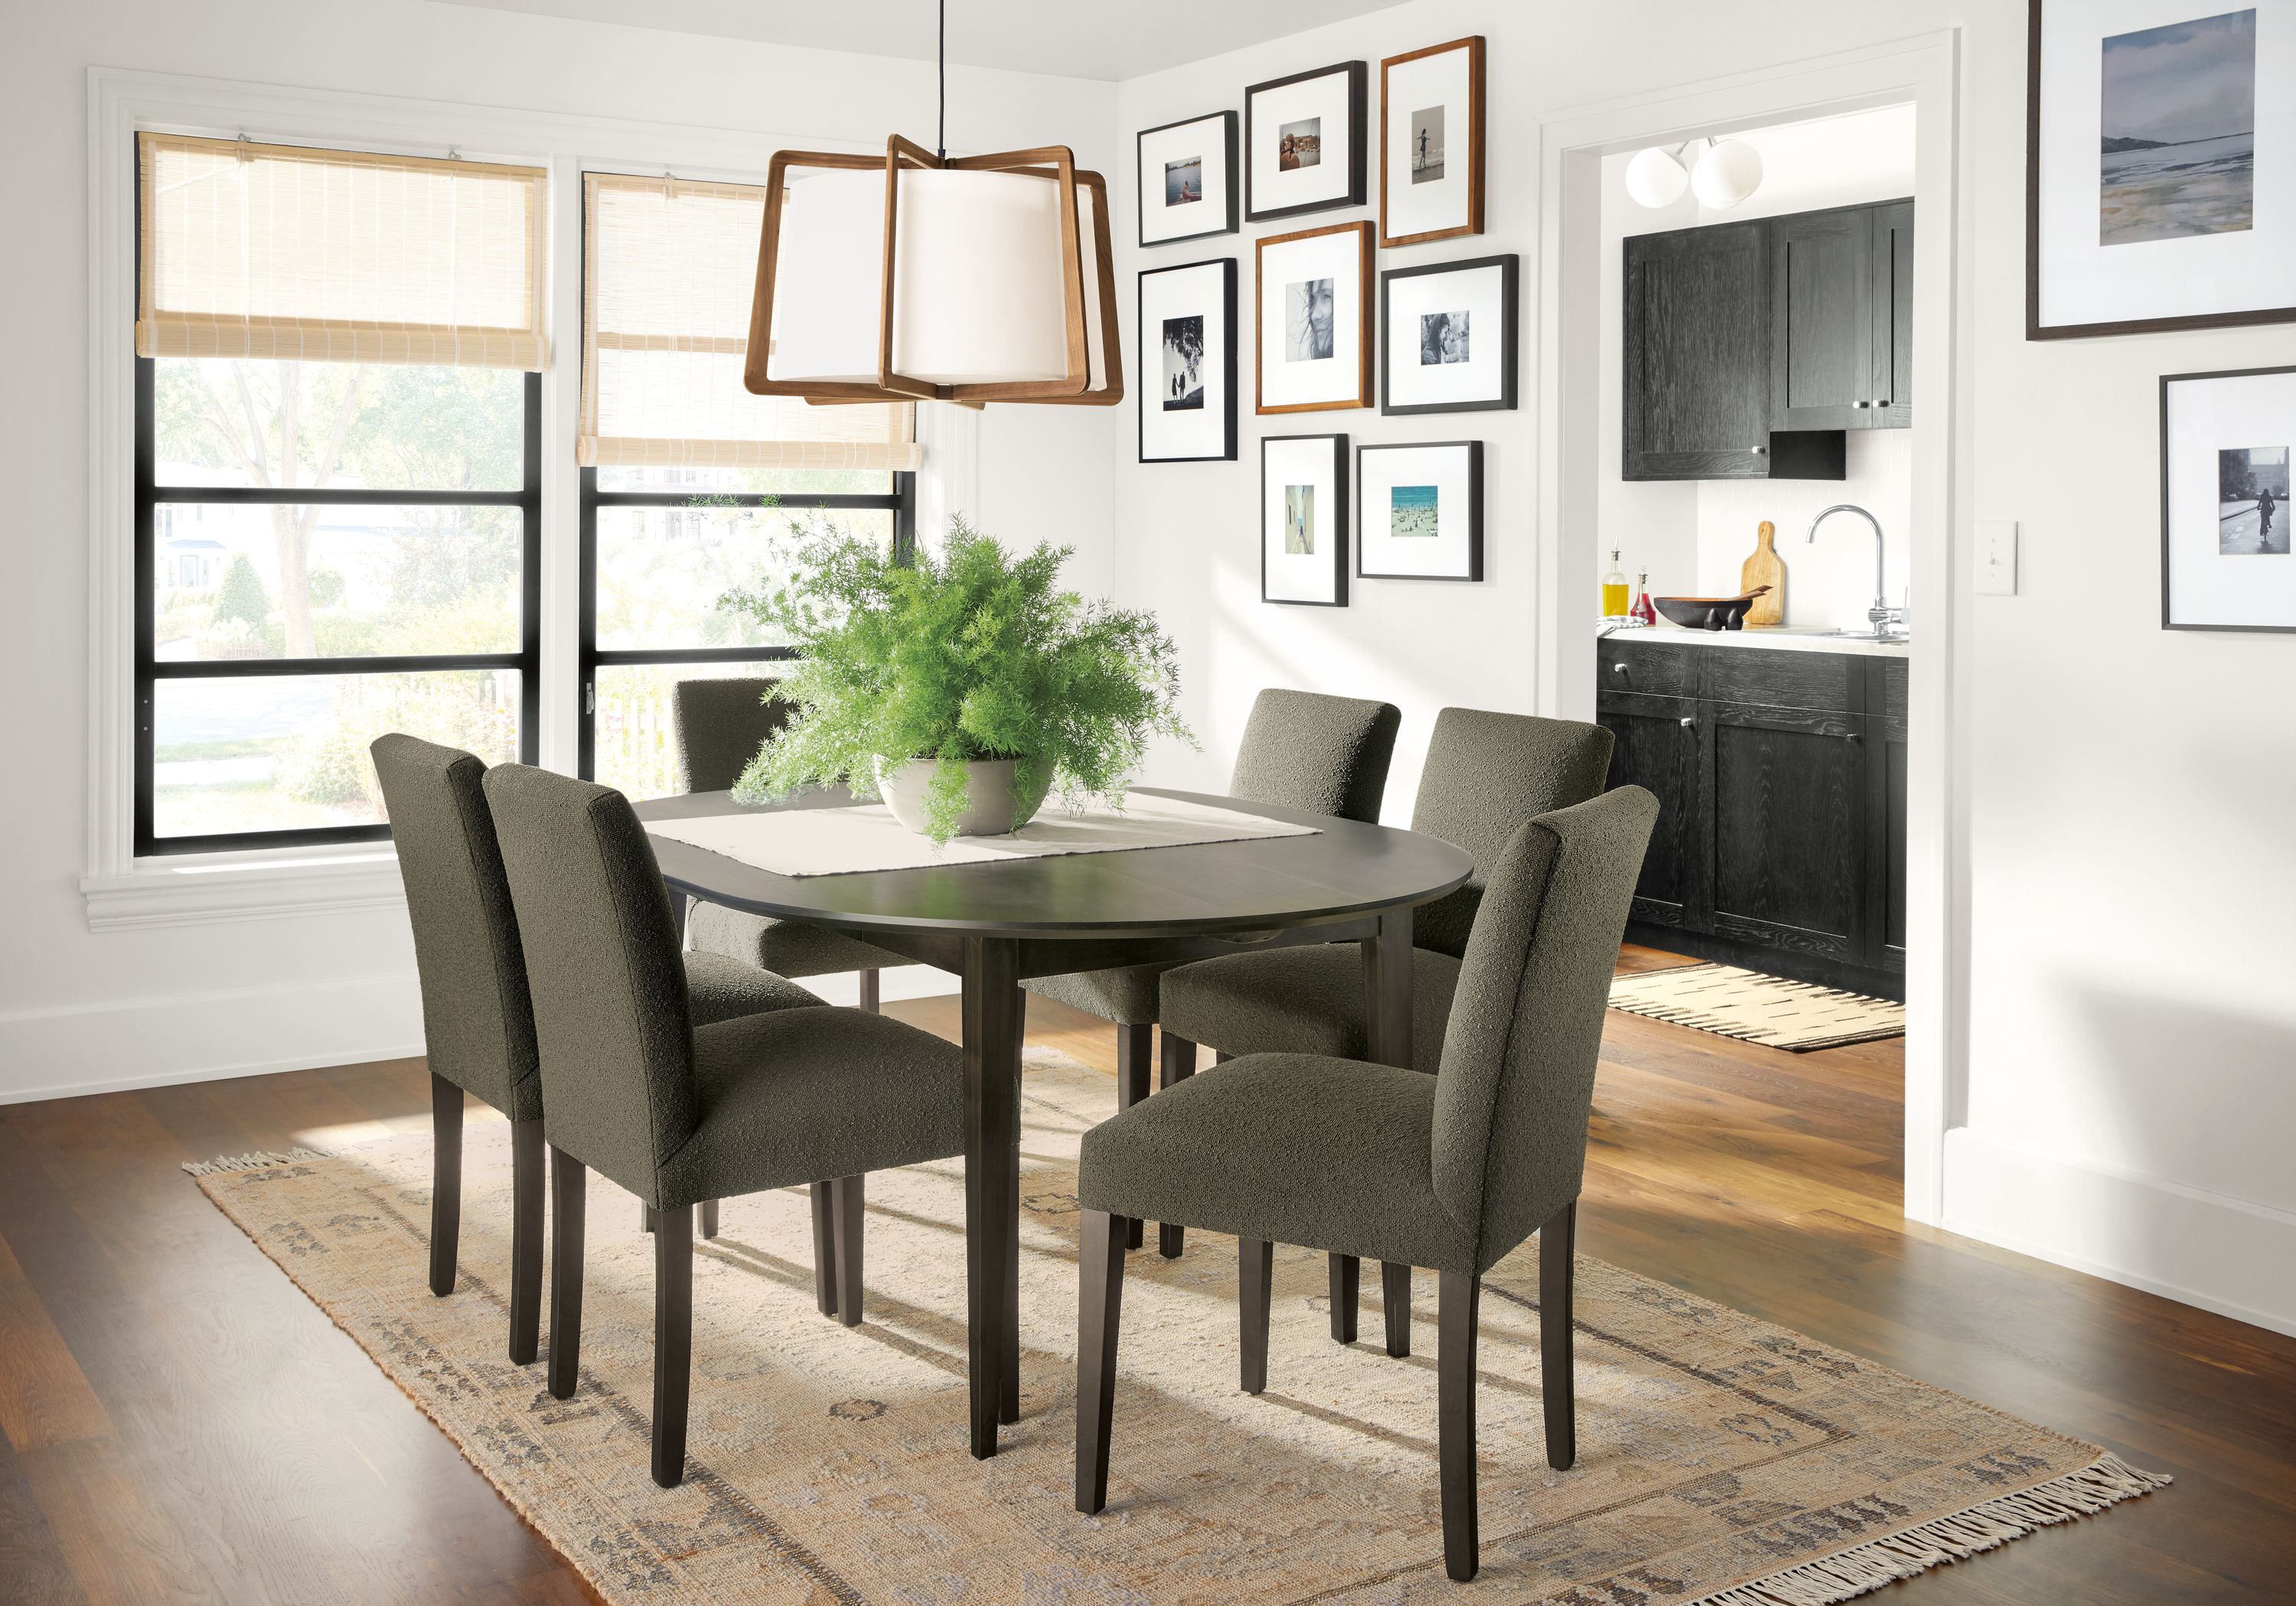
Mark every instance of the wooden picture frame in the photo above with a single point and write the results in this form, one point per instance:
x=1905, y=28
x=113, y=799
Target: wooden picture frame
x=1346, y=185
x=1492, y=282
x=1318, y=465
x=1453, y=468
x=1215, y=423
x=1227, y=199
x=1349, y=271
x=2242, y=577
x=1468, y=205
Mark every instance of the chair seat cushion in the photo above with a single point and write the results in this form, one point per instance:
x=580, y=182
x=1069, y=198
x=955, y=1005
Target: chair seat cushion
x=1306, y=1000
x=803, y=1096
x=1301, y=1149
x=718, y=988
x=787, y=948
x=1126, y=995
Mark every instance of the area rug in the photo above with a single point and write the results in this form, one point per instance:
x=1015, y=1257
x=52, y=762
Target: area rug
x=1755, y=1008
x=1721, y=1460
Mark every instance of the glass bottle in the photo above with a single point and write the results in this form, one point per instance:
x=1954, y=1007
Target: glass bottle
x=1644, y=612
x=1614, y=591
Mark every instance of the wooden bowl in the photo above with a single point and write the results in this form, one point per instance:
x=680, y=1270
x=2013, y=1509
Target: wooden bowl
x=1708, y=612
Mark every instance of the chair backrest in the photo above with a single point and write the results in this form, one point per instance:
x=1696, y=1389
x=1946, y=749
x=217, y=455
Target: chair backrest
x=1486, y=773
x=478, y=1022
x=1329, y=755
x=719, y=726
x=602, y=963
x=1517, y=1080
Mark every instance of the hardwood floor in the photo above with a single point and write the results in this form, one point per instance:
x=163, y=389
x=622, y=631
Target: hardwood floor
x=181, y=1425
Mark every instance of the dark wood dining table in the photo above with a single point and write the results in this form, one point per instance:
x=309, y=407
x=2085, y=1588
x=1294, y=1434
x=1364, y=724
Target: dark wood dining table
x=994, y=925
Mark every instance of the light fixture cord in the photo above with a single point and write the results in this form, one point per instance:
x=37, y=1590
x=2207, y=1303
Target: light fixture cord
x=940, y=140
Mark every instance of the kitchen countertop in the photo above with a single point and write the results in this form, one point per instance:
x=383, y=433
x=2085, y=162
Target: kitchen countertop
x=1774, y=639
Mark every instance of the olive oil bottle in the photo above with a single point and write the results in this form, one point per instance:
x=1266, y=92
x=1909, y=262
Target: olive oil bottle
x=1616, y=597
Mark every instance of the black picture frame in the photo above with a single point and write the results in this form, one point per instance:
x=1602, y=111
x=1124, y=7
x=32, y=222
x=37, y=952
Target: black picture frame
x=1474, y=451
x=1229, y=154
x=2167, y=574
x=1510, y=267
x=1359, y=75
x=1341, y=522
x=1226, y=265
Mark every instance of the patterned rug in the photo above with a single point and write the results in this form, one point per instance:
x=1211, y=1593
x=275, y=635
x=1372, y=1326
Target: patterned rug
x=1755, y=1008
x=1721, y=1460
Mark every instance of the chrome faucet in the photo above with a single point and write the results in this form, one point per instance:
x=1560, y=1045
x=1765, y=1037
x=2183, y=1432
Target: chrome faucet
x=1881, y=615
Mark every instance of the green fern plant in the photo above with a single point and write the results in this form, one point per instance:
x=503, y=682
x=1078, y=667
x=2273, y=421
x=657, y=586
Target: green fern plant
x=969, y=654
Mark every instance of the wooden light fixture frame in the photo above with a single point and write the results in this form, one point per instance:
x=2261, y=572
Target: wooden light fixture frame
x=1056, y=164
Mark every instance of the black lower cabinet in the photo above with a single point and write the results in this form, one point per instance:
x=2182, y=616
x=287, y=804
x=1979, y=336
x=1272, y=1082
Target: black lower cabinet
x=1780, y=842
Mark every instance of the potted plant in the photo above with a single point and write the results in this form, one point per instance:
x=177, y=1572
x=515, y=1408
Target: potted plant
x=963, y=687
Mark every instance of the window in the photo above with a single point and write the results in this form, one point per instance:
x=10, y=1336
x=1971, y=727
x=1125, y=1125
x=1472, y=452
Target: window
x=686, y=478
x=337, y=474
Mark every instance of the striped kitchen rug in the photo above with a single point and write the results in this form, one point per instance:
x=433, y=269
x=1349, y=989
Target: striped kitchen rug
x=1754, y=1008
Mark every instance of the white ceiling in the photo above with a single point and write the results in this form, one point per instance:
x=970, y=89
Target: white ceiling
x=1076, y=38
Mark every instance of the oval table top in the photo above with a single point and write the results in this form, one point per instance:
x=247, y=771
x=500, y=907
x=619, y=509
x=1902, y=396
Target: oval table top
x=1346, y=870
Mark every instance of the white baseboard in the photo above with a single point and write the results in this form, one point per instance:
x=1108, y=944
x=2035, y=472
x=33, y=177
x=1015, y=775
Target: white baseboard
x=2225, y=1255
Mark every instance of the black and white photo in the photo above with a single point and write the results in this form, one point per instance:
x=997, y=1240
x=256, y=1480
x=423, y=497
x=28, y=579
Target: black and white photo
x=1186, y=345
x=1184, y=362
x=1427, y=145
x=1308, y=321
x=1303, y=520
x=1449, y=344
x=1305, y=141
x=1431, y=144
x=1315, y=335
x=2225, y=555
x=2252, y=501
x=1421, y=512
x=1188, y=186
x=1443, y=338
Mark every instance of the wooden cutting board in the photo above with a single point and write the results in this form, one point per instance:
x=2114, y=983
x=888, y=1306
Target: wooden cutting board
x=1764, y=568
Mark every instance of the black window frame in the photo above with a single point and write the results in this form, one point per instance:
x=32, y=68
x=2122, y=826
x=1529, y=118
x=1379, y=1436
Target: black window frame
x=149, y=496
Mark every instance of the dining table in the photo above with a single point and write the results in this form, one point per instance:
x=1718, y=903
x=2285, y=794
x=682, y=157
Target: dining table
x=996, y=925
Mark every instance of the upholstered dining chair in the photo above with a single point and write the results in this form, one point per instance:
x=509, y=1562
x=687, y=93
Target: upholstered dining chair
x=478, y=1020
x=675, y=1111
x=1450, y=1171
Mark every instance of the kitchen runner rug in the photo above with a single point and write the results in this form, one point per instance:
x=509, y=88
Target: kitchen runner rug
x=1720, y=1459
x=1755, y=1008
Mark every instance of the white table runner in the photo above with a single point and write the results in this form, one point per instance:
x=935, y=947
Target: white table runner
x=865, y=836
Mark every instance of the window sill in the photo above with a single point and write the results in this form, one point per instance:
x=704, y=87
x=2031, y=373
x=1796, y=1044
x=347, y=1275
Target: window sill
x=205, y=889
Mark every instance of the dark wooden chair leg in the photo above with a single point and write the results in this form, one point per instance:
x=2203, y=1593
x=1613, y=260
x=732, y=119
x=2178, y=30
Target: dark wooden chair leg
x=1100, y=1305
x=568, y=1180
x=845, y=1196
x=1395, y=1294
x=445, y=1181
x=1456, y=1299
x=526, y=1192
x=1559, y=1393
x=1134, y=1053
x=710, y=1218
x=824, y=1251
x=1346, y=1276
x=871, y=996
x=673, y=1340
x=1255, y=1259
x=1176, y=1066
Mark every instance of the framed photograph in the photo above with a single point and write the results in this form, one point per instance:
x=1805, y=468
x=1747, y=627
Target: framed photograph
x=2225, y=557
x=1303, y=520
x=2159, y=166
x=1450, y=336
x=1431, y=144
x=1314, y=295
x=1187, y=363
x=1187, y=179
x=1419, y=512
x=1303, y=143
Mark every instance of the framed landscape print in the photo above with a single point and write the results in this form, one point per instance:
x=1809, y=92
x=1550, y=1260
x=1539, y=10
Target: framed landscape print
x=1187, y=179
x=1448, y=336
x=2159, y=166
x=2225, y=553
x=1312, y=292
x=1187, y=363
x=1420, y=511
x=1431, y=144
x=1303, y=143
x=1303, y=520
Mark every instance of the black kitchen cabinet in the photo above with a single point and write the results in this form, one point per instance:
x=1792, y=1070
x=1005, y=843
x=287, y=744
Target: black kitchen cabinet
x=1697, y=324
x=1842, y=316
x=1781, y=837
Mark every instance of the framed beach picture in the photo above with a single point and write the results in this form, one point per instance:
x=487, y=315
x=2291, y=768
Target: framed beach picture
x=1431, y=144
x=1303, y=143
x=1187, y=363
x=1419, y=511
x=1187, y=179
x=1449, y=336
x=2226, y=562
x=2160, y=166
x=1312, y=292
x=1303, y=520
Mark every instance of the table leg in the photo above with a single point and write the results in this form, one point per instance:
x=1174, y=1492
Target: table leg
x=1386, y=1040
x=992, y=1006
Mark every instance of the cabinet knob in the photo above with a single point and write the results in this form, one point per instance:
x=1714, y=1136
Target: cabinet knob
x=1688, y=723
x=1849, y=735
x=1761, y=451
x=1621, y=668
x=1861, y=404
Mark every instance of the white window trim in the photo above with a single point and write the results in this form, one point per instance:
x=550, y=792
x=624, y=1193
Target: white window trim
x=122, y=890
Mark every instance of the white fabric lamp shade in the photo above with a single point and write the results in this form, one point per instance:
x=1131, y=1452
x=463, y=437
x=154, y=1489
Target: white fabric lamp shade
x=1727, y=174
x=1654, y=178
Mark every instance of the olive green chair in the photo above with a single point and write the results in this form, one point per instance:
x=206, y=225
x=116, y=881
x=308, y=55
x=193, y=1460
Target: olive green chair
x=675, y=1111
x=1449, y=1171
x=477, y=1023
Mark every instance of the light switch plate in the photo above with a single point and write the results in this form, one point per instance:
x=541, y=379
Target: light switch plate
x=1996, y=557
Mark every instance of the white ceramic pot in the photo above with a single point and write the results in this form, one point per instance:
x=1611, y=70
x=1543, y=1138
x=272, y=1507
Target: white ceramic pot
x=994, y=805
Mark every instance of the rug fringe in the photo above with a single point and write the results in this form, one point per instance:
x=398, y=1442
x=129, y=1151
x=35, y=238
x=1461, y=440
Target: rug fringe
x=256, y=1160
x=2105, y=1481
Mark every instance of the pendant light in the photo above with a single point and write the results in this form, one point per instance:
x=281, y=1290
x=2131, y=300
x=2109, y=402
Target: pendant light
x=1656, y=178
x=915, y=277
x=1723, y=175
